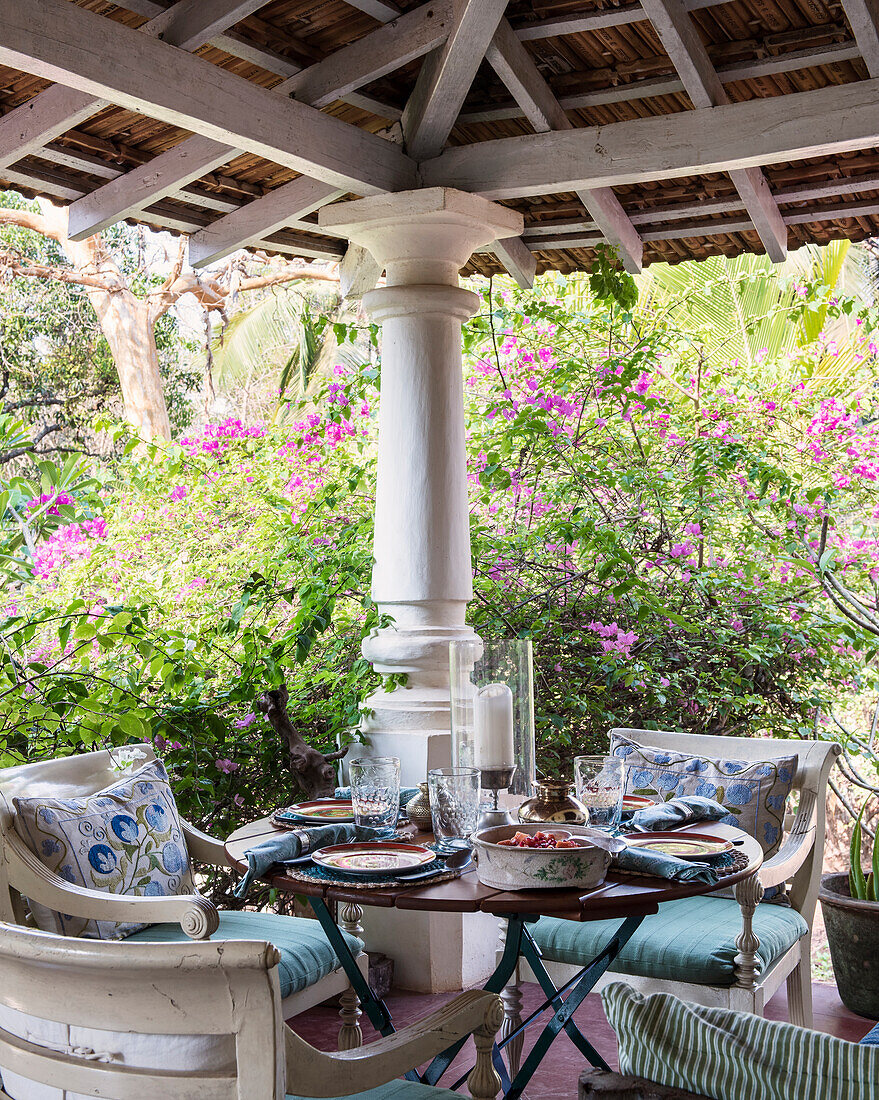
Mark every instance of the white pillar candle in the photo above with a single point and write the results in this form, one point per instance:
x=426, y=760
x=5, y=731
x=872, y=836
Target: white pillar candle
x=493, y=720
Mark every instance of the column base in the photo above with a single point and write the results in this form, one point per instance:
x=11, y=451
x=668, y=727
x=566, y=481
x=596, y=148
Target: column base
x=418, y=751
x=434, y=952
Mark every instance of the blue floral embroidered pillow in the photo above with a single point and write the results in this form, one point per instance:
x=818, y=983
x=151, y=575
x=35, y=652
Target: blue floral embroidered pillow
x=125, y=839
x=754, y=791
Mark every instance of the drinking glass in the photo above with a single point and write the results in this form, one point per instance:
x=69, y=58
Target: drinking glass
x=375, y=791
x=454, y=802
x=600, y=784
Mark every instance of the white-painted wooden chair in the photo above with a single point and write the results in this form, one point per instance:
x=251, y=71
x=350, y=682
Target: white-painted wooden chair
x=204, y=1022
x=797, y=864
x=22, y=875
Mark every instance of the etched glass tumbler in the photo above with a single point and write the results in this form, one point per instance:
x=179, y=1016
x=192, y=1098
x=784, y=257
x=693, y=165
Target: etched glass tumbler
x=454, y=802
x=375, y=791
x=600, y=781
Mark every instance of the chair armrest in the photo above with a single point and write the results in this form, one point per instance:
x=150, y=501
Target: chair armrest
x=601, y=1085
x=196, y=915
x=380, y=1062
x=204, y=848
x=793, y=853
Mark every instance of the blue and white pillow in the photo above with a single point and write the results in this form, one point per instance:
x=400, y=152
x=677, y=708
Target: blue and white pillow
x=125, y=839
x=754, y=791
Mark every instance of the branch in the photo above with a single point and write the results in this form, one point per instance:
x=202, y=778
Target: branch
x=7, y=456
x=36, y=223
x=10, y=262
x=289, y=275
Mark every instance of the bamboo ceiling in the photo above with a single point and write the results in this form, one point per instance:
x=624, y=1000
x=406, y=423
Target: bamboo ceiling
x=609, y=73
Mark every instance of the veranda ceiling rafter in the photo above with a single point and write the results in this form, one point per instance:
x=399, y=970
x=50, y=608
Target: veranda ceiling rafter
x=680, y=38
x=377, y=53
x=61, y=42
x=516, y=68
x=863, y=17
x=557, y=26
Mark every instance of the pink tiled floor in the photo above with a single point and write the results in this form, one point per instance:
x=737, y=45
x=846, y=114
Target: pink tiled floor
x=557, y=1077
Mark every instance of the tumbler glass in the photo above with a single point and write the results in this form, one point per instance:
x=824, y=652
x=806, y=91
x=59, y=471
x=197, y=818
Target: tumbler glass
x=600, y=782
x=454, y=802
x=375, y=791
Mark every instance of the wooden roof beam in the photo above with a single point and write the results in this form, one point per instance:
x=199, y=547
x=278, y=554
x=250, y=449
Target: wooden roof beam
x=517, y=258
x=557, y=26
x=863, y=17
x=62, y=42
x=188, y=24
x=516, y=68
x=446, y=76
x=841, y=118
x=682, y=43
x=379, y=52
x=259, y=218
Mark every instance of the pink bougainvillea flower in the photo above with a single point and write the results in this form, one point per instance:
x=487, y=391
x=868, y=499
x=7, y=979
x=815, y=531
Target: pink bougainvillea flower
x=243, y=723
x=226, y=766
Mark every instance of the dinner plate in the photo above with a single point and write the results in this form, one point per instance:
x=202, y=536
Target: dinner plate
x=682, y=845
x=634, y=802
x=373, y=858
x=320, y=811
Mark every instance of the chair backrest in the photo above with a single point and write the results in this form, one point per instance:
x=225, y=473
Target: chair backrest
x=228, y=991
x=61, y=777
x=814, y=761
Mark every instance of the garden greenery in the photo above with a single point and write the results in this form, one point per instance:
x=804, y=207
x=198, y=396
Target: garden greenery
x=664, y=530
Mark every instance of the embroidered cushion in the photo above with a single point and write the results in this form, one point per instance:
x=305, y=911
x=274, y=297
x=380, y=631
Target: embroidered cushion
x=754, y=791
x=125, y=839
x=734, y=1055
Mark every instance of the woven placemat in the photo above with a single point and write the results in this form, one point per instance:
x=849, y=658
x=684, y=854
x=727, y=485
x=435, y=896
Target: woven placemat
x=310, y=872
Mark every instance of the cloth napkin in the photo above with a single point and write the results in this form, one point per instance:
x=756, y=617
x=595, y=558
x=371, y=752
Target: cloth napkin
x=676, y=812
x=293, y=843
x=644, y=862
x=406, y=794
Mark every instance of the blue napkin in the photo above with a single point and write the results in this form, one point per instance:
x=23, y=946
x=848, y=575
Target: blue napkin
x=644, y=862
x=676, y=812
x=293, y=843
x=406, y=794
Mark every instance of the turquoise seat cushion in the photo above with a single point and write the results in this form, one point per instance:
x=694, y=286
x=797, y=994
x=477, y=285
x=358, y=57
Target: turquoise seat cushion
x=729, y=1055
x=306, y=955
x=395, y=1090
x=689, y=940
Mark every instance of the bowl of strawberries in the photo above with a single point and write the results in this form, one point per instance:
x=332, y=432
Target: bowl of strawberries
x=542, y=857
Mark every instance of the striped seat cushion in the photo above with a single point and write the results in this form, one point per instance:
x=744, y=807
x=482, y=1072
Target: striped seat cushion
x=689, y=940
x=306, y=955
x=734, y=1055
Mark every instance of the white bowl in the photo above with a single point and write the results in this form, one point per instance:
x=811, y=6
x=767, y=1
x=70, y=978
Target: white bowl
x=508, y=868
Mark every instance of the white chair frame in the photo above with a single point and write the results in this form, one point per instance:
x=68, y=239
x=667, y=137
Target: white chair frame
x=23, y=875
x=797, y=863
x=229, y=989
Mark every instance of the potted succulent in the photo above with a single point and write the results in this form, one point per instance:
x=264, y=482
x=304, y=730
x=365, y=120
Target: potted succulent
x=850, y=904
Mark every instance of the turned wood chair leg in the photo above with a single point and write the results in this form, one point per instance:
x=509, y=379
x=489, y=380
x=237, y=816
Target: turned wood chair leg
x=484, y=1081
x=799, y=987
x=747, y=964
x=511, y=996
x=350, y=1035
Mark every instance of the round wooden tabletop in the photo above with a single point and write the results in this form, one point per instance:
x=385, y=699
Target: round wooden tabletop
x=621, y=895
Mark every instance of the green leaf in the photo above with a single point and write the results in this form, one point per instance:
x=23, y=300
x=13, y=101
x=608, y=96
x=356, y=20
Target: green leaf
x=856, y=880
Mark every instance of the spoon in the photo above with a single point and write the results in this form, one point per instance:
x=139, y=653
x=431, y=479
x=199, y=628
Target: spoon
x=455, y=861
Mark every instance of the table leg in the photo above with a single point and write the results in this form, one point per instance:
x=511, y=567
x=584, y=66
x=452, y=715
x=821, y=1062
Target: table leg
x=374, y=1007
x=350, y=1035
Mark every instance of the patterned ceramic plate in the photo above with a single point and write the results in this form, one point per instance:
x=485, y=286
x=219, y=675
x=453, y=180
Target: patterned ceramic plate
x=373, y=857
x=322, y=811
x=634, y=802
x=682, y=845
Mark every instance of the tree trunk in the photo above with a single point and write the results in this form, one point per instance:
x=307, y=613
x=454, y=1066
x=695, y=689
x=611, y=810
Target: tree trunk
x=129, y=329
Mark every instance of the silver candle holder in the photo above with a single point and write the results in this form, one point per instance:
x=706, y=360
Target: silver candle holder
x=496, y=778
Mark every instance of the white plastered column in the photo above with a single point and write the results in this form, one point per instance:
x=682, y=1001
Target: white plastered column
x=422, y=575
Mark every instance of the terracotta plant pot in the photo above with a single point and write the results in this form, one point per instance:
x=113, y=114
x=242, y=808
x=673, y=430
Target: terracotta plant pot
x=853, y=936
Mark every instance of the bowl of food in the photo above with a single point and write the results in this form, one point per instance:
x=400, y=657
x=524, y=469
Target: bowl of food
x=542, y=857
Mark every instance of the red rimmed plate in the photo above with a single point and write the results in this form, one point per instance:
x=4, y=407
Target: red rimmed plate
x=634, y=802
x=682, y=845
x=320, y=811
x=370, y=858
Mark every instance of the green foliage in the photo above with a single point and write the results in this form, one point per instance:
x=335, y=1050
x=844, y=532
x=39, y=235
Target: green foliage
x=862, y=887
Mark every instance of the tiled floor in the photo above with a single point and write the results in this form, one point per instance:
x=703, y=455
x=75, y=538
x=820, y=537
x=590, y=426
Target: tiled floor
x=557, y=1077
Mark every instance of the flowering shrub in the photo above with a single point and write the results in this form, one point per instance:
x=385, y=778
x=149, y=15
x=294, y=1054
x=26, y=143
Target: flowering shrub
x=682, y=547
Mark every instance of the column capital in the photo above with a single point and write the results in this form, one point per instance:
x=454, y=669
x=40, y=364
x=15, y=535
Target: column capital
x=422, y=236
x=421, y=300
